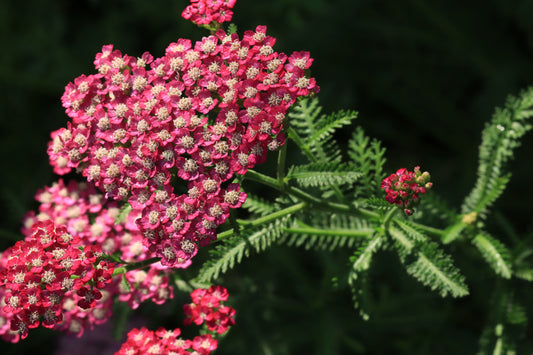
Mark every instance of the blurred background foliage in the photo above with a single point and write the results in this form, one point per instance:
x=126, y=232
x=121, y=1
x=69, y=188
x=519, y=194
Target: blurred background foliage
x=424, y=75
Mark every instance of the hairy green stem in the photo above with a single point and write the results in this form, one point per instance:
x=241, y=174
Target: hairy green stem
x=389, y=215
x=327, y=206
x=430, y=230
x=294, y=191
x=265, y=219
x=300, y=143
x=281, y=164
x=365, y=232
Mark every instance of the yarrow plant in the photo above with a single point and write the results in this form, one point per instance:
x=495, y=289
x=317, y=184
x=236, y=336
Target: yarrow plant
x=166, y=149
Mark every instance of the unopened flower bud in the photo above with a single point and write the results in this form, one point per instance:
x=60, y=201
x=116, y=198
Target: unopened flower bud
x=405, y=187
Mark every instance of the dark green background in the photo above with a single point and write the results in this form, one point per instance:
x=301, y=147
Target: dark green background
x=424, y=75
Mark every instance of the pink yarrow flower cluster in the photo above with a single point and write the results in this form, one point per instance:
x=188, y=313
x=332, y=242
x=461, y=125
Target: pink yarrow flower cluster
x=42, y=270
x=193, y=118
x=207, y=306
x=143, y=342
x=91, y=219
x=405, y=187
x=204, y=12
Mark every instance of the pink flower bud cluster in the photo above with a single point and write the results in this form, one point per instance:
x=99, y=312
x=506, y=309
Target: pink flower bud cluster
x=41, y=270
x=204, y=12
x=143, y=341
x=405, y=187
x=192, y=118
x=207, y=307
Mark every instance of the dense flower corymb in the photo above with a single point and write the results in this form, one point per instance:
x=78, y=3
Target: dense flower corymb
x=194, y=117
x=207, y=305
x=405, y=187
x=44, y=270
x=143, y=341
x=91, y=219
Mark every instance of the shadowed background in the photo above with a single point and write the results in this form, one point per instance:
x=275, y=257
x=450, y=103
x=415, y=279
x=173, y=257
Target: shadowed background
x=424, y=75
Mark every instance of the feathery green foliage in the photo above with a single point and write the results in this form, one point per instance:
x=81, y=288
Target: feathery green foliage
x=426, y=262
x=378, y=203
x=412, y=231
x=324, y=175
x=233, y=250
x=313, y=132
x=232, y=28
x=499, y=138
x=435, y=269
x=358, y=274
x=123, y=213
x=259, y=206
x=454, y=231
x=368, y=156
x=495, y=253
x=327, y=232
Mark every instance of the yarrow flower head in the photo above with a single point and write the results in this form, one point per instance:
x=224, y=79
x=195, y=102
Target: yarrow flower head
x=199, y=115
x=91, y=219
x=44, y=270
x=143, y=341
x=405, y=187
x=204, y=12
x=207, y=305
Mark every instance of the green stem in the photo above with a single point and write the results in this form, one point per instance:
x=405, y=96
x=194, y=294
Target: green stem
x=262, y=220
x=430, y=230
x=365, y=232
x=329, y=206
x=300, y=143
x=389, y=216
x=281, y=164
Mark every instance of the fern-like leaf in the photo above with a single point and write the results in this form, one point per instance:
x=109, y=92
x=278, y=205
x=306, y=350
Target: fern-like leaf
x=524, y=274
x=232, y=28
x=358, y=274
x=499, y=138
x=426, y=262
x=259, y=206
x=377, y=203
x=232, y=251
x=435, y=269
x=326, y=126
x=369, y=158
x=494, y=189
x=313, y=131
x=454, y=232
x=411, y=230
x=327, y=232
x=495, y=253
x=323, y=175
